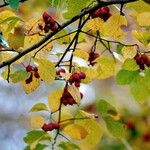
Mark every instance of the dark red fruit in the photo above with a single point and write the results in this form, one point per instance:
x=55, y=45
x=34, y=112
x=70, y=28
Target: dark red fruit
x=36, y=75
x=81, y=94
x=45, y=16
x=35, y=69
x=105, y=8
x=77, y=84
x=82, y=75
x=50, y=126
x=40, y=26
x=54, y=27
x=46, y=29
x=51, y=21
x=29, y=80
x=130, y=124
x=146, y=137
x=29, y=68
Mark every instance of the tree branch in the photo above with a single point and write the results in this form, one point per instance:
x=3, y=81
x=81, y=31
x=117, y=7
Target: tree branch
x=50, y=35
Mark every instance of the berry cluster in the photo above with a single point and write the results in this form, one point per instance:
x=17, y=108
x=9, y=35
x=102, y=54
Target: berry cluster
x=142, y=60
x=50, y=23
x=92, y=57
x=67, y=99
x=76, y=78
x=59, y=71
x=103, y=13
x=50, y=126
x=33, y=71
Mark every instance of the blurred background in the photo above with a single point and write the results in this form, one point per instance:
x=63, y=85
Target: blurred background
x=15, y=104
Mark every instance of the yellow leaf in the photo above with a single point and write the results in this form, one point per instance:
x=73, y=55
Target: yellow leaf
x=95, y=24
x=75, y=93
x=4, y=56
x=37, y=121
x=47, y=70
x=90, y=72
x=16, y=39
x=32, y=86
x=54, y=99
x=105, y=67
x=82, y=54
x=129, y=52
x=142, y=36
x=112, y=27
x=94, y=130
x=143, y=19
x=75, y=131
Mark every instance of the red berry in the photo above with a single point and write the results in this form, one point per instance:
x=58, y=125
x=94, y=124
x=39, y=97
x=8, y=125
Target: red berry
x=81, y=94
x=45, y=16
x=51, y=21
x=146, y=137
x=29, y=68
x=71, y=101
x=148, y=63
x=82, y=75
x=46, y=29
x=35, y=69
x=29, y=80
x=105, y=8
x=40, y=26
x=96, y=13
x=54, y=27
x=77, y=84
x=55, y=125
x=130, y=124
x=36, y=75
x=144, y=58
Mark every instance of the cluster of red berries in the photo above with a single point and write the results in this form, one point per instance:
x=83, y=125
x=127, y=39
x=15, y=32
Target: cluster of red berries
x=92, y=57
x=33, y=71
x=67, y=99
x=76, y=78
x=142, y=60
x=59, y=71
x=103, y=13
x=50, y=126
x=50, y=23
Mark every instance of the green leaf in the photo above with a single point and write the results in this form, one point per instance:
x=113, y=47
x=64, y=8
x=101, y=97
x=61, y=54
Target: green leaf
x=14, y=4
x=119, y=48
x=139, y=89
x=74, y=7
x=116, y=128
x=126, y=77
x=36, y=135
x=68, y=145
x=38, y=107
x=40, y=146
x=103, y=107
x=147, y=78
x=19, y=75
x=130, y=64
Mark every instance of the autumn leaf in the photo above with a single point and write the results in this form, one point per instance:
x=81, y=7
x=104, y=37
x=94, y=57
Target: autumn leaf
x=54, y=99
x=75, y=131
x=46, y=70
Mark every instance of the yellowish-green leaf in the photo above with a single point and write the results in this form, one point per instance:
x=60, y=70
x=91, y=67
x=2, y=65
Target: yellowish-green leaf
x=112, y=27
x=142, y=36
x=130, y=64
x=37, y=121
x=116, y=128
x=75, y=131
x=129, y=52
x=54, y=99
x=82, y=54
x=94, y=130
x=140, y=90
x=140, y=6
x=32, y=86
x=143, y=19
x=95, y=24
x=105, y=67
x=19, y=75
x=75, y=93
x=46, y=70
x=38, y=107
